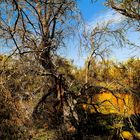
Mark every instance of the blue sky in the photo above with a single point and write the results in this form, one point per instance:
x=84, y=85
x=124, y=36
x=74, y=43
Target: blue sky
x=97, y=12
x=91, y=10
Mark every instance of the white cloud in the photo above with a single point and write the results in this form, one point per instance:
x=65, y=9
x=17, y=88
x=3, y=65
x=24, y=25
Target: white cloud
x=109, y=16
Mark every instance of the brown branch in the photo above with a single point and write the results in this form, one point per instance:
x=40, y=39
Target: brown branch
x=123, y=11
x=15, y=24
x=40, y=22
x=15, y=42
x=29, y=21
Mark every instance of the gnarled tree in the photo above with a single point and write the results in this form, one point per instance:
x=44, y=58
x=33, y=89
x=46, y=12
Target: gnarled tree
x=37, y=29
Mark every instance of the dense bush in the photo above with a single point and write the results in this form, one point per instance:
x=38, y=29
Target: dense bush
x=29, y=99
